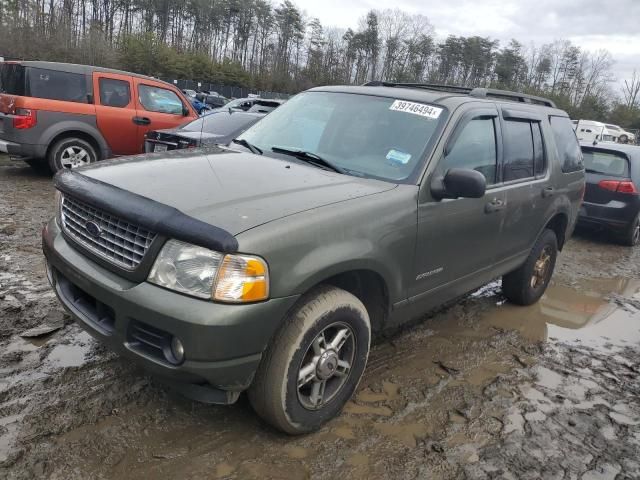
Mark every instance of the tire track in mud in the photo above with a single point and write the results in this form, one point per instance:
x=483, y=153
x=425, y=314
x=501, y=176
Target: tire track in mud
x=481, y=390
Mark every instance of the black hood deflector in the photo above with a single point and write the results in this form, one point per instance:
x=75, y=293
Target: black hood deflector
x=147, y=213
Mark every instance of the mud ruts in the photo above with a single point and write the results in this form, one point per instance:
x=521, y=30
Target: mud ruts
x=482, y=390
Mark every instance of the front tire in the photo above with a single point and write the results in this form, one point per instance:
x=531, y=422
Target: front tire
x=70, y=153
x=314, y=363
x=526, y=285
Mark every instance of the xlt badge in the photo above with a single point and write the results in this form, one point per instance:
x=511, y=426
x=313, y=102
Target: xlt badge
x=430, y=273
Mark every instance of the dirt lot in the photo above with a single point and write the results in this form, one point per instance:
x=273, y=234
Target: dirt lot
x=482, y=390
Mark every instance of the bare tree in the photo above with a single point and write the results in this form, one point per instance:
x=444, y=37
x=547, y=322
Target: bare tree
x=631, y=91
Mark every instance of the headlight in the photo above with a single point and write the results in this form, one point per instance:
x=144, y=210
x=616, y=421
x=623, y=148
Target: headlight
x=207, y=274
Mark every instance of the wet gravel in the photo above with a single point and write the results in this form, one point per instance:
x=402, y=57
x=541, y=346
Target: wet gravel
x=482, y=390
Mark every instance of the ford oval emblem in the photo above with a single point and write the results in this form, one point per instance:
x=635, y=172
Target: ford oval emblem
x=93, y=229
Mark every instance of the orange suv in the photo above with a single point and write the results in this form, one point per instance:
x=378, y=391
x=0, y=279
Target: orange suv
x=65, y=115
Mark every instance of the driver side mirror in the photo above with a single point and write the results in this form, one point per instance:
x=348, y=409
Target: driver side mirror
x=459, y=183
x=185, y=111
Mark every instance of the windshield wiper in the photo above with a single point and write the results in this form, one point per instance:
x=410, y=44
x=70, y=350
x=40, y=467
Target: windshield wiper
x=247, y=145
x=312, y=158
x=589, y=170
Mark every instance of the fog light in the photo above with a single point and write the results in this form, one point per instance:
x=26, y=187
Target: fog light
x=177, y=351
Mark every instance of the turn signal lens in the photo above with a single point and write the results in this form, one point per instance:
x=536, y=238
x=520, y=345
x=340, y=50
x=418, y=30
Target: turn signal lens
x=242, y=278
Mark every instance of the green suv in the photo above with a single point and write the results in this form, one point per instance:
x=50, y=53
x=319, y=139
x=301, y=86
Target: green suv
x=268, y=266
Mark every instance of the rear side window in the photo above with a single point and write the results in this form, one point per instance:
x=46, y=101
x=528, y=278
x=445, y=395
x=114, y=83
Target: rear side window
x=518, y=150
x=475, y=148
x=114, y=93
x=161, y=100
x=56, y=85
x=606, y=163
x=12, y=79
x=567, y=144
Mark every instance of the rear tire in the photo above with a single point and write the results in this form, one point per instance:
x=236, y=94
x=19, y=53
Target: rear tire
x=526, y=285
x=631, y=237
x=70, y=153
x=324, y=340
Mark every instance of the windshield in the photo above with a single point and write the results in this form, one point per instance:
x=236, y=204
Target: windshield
x=365, y=135
x=221, y=123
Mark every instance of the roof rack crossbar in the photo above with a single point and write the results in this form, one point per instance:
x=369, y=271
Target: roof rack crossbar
x=514, y=96
x=474, y=92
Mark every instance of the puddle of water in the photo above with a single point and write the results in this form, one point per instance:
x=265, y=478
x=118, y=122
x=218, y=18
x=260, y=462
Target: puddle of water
x=18, y=344
x=11, y=427
x=580, y=315
x=358, y=460
x=71, y=355
x=224, y=470
x=357, y=409
x=296, y=452
x=407, y=434
x=67, y=355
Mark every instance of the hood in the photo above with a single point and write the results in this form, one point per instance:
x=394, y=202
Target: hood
x=231, y=190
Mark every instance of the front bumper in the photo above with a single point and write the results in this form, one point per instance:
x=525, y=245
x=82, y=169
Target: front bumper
x=223, y=343
x=615, y=215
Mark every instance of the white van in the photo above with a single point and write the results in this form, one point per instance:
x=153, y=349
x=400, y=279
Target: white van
x=592, y=131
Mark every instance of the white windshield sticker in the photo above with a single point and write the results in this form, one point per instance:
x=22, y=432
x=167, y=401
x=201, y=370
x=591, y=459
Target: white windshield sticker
x=416, y=108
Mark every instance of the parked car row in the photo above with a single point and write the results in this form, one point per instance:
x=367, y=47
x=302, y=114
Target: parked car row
x=65, y=115
x=61, y=116
x=592, y=131
x=217, y=128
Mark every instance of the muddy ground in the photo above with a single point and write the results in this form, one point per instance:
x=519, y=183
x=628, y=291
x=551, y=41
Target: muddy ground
x=482, y=390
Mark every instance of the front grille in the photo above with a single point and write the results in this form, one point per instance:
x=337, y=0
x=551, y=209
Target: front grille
x=120, y=242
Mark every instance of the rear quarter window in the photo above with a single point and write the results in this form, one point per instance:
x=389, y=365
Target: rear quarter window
x=12, y=79
x=567, y=144
x=57, y=85
x=606, y=163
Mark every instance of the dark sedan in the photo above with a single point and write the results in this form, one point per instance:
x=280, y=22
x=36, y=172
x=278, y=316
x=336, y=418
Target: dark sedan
x=217, y=128
x=612, y=195
x=252, y=104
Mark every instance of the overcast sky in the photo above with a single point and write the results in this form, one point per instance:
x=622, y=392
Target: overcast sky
x=590, y=24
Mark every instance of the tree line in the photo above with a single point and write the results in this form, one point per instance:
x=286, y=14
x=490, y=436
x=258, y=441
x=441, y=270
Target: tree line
x=274, y=46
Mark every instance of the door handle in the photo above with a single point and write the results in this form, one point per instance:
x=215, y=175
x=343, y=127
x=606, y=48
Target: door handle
x=141, y=120
x=494, y=205
x=548, y=192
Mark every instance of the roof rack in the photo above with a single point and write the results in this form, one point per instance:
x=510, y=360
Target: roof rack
x=474, y=92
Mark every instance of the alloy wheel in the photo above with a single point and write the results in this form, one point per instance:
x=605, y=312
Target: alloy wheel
x=541, y=267
x=74, y=157
x=326, y=365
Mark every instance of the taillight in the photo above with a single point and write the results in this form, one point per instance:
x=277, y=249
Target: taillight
x=624, y=186
x=627, y=187
x=24, y=118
